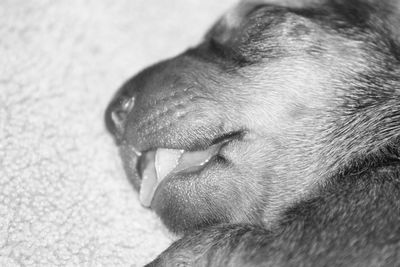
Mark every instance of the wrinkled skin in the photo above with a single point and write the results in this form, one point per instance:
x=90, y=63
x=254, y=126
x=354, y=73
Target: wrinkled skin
x=308, y=93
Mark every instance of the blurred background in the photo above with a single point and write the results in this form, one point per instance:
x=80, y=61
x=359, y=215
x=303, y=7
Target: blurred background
x=64, y=198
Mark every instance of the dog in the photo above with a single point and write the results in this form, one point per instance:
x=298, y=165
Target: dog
x=275, y=141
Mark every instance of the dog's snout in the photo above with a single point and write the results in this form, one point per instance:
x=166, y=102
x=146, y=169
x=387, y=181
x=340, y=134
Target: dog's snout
x=117, y=113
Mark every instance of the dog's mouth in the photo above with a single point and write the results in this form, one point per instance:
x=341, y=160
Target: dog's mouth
x=155, y=165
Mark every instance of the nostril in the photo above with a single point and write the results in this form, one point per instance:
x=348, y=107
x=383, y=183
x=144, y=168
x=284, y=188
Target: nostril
x=118, y=117
x=117, y=114
x=127, y=103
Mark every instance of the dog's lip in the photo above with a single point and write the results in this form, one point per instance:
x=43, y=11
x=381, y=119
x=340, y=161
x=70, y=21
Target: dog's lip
x=187, y=142
x=220, y=141
x=175, y=162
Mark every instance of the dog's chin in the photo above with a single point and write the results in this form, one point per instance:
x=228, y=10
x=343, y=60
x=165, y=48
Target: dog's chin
x=190, y=200
x=187, y=201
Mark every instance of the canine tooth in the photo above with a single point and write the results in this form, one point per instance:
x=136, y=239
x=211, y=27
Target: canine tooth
x=166, y=160
x=148, y=188
x=149, y=181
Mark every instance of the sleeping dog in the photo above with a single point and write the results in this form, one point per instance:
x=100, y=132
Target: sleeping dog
x=275, y=141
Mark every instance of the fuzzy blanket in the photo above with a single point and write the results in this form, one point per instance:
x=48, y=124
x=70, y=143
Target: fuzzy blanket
x=64, y=198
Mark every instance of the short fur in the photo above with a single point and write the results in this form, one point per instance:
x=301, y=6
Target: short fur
x=309, y=91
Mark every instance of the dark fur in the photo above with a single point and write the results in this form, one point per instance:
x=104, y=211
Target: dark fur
x=310, y=91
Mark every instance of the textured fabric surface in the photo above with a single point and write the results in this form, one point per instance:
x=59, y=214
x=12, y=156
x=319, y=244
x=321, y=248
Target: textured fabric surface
x=64, y=199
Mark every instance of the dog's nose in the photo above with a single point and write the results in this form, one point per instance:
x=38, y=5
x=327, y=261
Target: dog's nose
x=117, y=113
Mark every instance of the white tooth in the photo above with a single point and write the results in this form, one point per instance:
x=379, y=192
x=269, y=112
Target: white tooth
x=149, y=180
x=148, y=186
x=166, y=160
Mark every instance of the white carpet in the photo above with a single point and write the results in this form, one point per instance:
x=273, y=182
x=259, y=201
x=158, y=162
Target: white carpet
x=64, y=199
